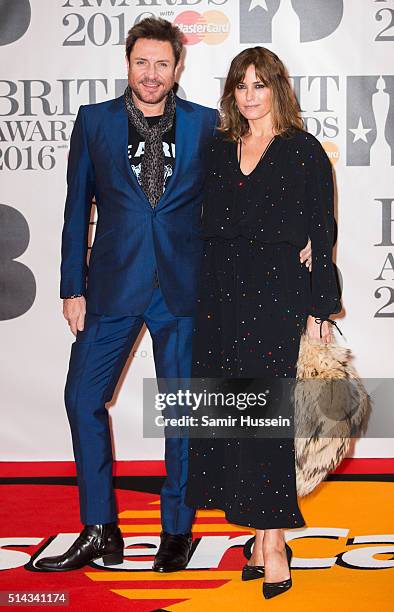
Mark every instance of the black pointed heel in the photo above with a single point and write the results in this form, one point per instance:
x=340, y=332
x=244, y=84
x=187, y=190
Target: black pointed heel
x=272, y=589
x=252, y=572
x=113, y=558
x=247, y=550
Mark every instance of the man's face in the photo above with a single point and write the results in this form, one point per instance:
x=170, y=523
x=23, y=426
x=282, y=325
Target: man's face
x=151, y=70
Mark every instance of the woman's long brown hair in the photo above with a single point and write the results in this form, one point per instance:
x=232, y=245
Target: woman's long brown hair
x=269, y=68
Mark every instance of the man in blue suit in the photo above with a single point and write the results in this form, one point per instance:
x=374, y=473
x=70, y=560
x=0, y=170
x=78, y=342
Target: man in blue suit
x=140, y=155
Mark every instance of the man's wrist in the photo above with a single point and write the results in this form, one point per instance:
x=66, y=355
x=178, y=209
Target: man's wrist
x=71, y=297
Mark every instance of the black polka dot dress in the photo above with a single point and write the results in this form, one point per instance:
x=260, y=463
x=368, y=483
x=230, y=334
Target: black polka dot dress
x=253, y=303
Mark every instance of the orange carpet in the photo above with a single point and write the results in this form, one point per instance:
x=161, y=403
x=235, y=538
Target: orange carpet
x=343, y=559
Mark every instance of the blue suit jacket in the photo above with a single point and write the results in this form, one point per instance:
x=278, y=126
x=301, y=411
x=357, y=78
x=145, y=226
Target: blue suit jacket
x=132, y=239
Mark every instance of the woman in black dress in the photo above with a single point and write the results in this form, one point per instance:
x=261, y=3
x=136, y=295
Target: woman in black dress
x=269, y=188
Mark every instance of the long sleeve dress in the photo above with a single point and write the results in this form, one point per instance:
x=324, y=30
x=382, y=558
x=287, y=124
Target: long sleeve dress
x=254, y=299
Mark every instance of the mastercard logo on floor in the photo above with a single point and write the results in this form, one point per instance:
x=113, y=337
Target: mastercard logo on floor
x=211, y=27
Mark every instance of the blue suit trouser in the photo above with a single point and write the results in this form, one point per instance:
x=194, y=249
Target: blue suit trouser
x=98, y=356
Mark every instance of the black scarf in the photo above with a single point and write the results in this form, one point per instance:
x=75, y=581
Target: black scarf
x=152, y=167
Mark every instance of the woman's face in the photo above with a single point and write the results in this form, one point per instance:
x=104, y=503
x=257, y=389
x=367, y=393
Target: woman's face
x=252, y=97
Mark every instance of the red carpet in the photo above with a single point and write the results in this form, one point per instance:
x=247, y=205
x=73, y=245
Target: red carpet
x=39, y=509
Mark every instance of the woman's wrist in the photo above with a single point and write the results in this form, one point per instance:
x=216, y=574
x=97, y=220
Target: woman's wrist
x=325, y=325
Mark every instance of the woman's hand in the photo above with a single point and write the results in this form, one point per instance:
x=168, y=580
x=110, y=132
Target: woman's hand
x=313, y=330
x=306, y=255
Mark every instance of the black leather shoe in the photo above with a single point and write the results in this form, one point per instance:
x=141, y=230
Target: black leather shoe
x=94, y=542
x=252, y=572
x=248, y=547
x=272, y=589
x=174, y=552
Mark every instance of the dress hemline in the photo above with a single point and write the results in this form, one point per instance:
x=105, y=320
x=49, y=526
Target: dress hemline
x=234, y=521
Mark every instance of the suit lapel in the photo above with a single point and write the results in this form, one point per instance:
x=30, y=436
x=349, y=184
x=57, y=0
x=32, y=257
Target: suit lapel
x=116, y=131
x=117, y=136
x=183, y=140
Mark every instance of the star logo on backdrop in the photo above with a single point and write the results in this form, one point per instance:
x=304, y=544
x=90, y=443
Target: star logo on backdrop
x=360, y=132
x=261, y=3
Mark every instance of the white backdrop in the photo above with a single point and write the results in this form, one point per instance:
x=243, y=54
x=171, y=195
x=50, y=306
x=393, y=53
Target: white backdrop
x=58, y=54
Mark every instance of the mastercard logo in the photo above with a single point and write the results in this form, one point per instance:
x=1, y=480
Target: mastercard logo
x=211, y=27
x=332, y=151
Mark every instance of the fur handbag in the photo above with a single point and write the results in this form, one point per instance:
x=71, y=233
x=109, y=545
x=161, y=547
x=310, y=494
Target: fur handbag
x=331, y=407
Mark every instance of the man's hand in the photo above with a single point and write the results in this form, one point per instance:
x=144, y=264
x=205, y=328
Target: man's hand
x=306, y=255
x=74, y=310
